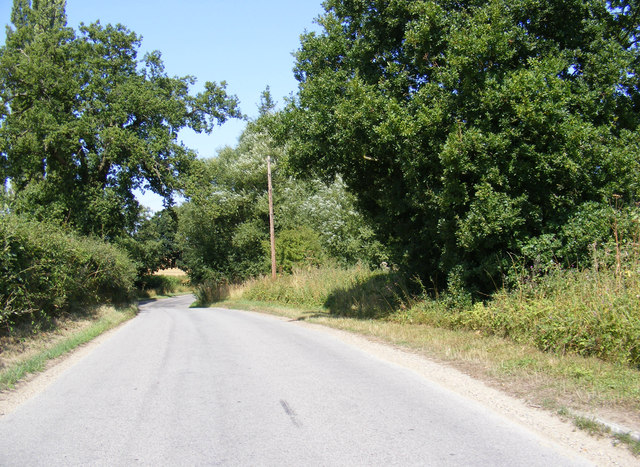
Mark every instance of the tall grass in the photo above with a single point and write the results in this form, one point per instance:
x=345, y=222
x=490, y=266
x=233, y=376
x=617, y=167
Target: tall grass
x=357, y=291
x=590, y=312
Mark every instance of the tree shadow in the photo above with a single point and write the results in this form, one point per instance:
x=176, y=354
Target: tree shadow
x=379, y=296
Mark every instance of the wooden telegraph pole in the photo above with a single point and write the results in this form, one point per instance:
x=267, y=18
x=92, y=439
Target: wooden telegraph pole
x=271, y=227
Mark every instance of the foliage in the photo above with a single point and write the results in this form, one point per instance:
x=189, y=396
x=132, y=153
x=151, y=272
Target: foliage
x=329, y=210
x=84, y=122
x=153, y=285
x=298, y=248
x=589, y=236
x=219, y=232
x=153, y=244
x=591, y=312
x=471, y=131
x=223, y=228
x=46, y=271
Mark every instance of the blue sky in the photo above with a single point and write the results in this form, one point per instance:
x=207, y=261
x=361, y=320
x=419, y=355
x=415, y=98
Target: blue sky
x=248, y=43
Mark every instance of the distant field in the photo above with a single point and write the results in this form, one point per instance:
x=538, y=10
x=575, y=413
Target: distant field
x=170, y=272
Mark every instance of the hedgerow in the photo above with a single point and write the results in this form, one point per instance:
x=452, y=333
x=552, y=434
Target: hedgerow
x=45, y=270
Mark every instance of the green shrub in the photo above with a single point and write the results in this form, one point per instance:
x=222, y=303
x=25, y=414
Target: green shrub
x=296, y=248
x=45, y=270
x=589, y=312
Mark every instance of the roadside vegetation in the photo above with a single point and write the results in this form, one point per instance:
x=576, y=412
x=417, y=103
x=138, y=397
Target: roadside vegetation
x=547, y=347
x=29, y=347
x=164, y=283
x=46, y=271
x=594, y=312
x=74, y=145
x=460, y=178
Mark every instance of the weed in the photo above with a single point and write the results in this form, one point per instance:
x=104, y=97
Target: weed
x=590, y=426
x=632, y=444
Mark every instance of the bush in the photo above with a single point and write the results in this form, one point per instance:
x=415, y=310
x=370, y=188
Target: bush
x=300, y=247
x=45, y=270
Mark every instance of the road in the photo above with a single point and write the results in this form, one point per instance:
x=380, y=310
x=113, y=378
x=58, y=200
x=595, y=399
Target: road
x=181, y=386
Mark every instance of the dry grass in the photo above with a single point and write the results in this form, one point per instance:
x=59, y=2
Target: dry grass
x=175, y=272
x=26, y=350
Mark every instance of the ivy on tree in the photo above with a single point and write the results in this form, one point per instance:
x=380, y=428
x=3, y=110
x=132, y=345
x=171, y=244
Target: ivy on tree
x=84, y=122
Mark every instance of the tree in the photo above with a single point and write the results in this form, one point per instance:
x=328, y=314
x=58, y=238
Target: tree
x=153, y=244
x=84, y=122
x=469, y=129
x=223, y=227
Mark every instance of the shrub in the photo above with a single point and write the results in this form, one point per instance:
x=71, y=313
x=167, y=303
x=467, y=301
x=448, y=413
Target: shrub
x=297, y=248
x=45, y=270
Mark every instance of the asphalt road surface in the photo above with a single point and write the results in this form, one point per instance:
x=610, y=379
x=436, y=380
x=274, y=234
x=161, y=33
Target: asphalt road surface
x=180, y=386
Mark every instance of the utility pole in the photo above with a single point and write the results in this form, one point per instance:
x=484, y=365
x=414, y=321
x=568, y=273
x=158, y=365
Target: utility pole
x=271, y=227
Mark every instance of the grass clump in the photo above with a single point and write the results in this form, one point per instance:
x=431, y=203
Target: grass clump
x=633, y=444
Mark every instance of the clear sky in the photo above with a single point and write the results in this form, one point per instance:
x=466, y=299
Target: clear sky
x=248, y=43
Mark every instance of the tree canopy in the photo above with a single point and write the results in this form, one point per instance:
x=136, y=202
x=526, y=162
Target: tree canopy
x=84, y=122
x=223, y=228
x=471, y=130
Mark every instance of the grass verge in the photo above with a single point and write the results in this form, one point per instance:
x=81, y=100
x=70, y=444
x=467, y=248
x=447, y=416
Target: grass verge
x=28, y=354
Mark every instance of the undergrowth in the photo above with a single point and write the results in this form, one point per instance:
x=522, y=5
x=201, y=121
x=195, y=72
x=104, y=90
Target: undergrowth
x=591, y=312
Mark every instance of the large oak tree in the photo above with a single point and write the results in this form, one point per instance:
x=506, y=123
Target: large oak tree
x=471, y=130
x=84, y=122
